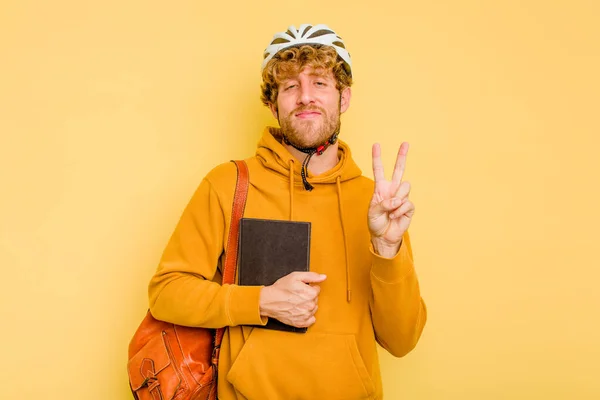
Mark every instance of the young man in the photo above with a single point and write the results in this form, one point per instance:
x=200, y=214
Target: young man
x=361, y=289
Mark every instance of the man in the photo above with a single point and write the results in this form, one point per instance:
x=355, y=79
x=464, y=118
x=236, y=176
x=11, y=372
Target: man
x=361, y=288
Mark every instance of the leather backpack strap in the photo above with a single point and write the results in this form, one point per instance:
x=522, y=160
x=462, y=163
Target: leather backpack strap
x=231, y=253
x=239, y=203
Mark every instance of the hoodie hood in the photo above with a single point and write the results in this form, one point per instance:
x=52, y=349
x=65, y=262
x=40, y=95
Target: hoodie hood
x=275, y=156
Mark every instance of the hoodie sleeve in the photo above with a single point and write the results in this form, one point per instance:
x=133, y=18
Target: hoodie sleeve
x=398, y=311
x=181, y=291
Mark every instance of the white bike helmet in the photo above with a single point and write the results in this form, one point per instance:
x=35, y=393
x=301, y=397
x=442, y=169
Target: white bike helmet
x=307, y=34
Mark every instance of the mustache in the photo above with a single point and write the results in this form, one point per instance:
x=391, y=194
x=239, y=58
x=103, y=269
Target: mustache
x=304, y=109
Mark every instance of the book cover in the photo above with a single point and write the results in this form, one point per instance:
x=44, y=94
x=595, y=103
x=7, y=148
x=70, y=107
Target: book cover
x=269, y=250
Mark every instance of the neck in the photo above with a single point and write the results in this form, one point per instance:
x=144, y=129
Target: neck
x=318, y=164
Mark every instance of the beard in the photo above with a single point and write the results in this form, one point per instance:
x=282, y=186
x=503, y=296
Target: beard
x=309, y=133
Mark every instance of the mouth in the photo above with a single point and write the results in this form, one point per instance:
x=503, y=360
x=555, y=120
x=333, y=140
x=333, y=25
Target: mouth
x=308, y=114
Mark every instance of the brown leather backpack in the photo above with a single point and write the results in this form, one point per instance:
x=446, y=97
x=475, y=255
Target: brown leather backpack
x=174, y=362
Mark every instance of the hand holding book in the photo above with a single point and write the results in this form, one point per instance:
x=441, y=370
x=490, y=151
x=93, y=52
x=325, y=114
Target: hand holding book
x=292, y=300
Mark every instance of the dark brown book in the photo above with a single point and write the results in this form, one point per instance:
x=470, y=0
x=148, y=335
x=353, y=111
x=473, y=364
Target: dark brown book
x=269, y=250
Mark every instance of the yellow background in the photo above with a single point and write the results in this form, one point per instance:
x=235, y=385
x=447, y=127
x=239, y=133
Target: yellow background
x=111, y=112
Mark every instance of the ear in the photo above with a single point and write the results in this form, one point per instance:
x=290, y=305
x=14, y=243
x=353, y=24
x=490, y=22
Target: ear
x=273, y=108
x=345, y=96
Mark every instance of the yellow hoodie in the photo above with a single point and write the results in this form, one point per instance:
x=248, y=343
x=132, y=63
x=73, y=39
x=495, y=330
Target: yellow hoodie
x=365, y=298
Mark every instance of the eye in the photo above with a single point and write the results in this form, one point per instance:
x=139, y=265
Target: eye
x=320, y=83
x=293, y=85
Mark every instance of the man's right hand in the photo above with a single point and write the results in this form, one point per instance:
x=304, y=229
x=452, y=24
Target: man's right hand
x=291, y=299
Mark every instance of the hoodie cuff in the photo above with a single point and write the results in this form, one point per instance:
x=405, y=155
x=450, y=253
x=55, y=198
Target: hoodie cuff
x=392, y=270
x=244, y=306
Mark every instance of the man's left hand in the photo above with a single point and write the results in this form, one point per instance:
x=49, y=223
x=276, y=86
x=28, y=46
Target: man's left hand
x=390, y=211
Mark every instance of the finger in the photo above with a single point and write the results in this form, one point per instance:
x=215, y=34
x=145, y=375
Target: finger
x=311, y=292
x=307, y=322
x=309, y=277
x=312, y=307
x=316, y=288
x=408, y=209
x=390, y=204
x=404, y=190
x=400, y=164
x=376, y=199
x=378, y=174
x=305, y=291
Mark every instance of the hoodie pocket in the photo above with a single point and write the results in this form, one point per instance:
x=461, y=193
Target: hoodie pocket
x=280, y=365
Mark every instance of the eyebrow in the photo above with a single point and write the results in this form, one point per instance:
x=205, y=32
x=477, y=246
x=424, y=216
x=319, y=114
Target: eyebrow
x=319, y=74
x=312, y=74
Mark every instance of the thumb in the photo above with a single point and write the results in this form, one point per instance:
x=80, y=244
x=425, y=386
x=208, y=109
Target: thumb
x=386, y=205
x=310, y=277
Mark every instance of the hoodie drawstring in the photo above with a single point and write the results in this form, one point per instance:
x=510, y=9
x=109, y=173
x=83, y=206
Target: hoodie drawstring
x=339, y=192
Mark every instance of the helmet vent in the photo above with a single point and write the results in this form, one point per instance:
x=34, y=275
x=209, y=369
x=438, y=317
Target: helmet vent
x=306, y=30
x=320, y=32
x=280, y=40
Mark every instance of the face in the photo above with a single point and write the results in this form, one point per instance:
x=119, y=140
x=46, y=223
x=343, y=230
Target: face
x=309, y=107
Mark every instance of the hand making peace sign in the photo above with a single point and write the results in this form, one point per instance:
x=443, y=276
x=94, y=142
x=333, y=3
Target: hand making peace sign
x=390, y=211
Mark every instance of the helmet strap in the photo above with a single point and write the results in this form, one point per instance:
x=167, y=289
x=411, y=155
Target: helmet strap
x=310, y=151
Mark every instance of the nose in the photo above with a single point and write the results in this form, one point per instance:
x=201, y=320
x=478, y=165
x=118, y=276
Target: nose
x=306, y=95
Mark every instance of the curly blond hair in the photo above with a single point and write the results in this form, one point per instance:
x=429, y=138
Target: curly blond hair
x=290, y=62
